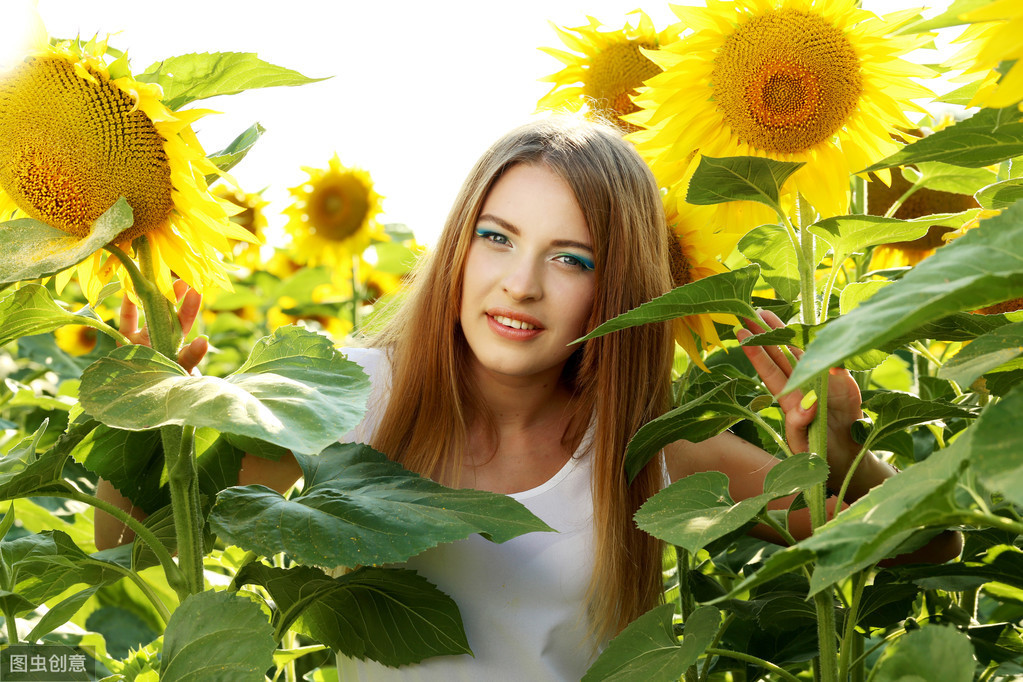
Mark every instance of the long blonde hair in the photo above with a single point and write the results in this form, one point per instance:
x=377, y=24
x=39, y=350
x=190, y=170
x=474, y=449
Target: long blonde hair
x=623, y=379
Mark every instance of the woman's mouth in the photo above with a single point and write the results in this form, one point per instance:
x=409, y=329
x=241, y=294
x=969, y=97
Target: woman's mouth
x=513, y=323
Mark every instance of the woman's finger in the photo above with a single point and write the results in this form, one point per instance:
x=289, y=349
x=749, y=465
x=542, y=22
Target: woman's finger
x=129, y=324
x=189, y=310
x=192, y=354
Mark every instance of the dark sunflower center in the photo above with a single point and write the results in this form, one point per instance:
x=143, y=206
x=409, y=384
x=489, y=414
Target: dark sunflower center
x=681, y=270
x=786, y=80
x=70, y=146
x=337, y=207
x=614, y=74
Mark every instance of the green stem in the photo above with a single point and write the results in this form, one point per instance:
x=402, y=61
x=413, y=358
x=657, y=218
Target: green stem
x=687, y=604
x=818, y=439
x=849, y=474
x=755, y=417
x=714, y=644
x=183, y=481
x=12, y=625
x=992, y=520
x=174, y=577
x=150, y=594
x=161, y=314
x=848, y=649
x=893, y=209
x=739, y=656
x=99, y=325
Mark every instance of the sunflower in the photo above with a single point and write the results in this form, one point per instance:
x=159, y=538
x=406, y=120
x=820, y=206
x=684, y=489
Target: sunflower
x=695, y=251
x=605, y=69
x=251, y=217
x=334, y=216
x=993, y=38
x=816, y=81
x=77, y=131
x=922, y=202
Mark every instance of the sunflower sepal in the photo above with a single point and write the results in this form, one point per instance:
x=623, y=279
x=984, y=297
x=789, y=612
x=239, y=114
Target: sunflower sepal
x=740, y=178
x=228, y=157
x=31, y=249
x=190, y=77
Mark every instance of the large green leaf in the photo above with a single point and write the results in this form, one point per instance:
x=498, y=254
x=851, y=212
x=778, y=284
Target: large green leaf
x=740, y=178
x=950, y=17
x=23, y=472
x=897, y=411
x=995, y=441
x=31, y=310
x=982, y=267
x=944, y=177
x=131, y=461
x=41, y=566
x=849, y=234
x=1001, y=194
x=698, y=509
x=390, y=615
x=217, y=636
x=985, y=354
x=728, y=292
x=190, y=77
x=933, y=652
x=702, y=417
x=228, y=157
x=878, y=523
x=648, y=649
x=988, y=137
x=358, y=508
x=30, y=249
x=295, y=390
x=769, y=247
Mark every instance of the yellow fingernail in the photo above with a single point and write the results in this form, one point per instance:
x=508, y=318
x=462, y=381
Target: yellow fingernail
x=808, y=400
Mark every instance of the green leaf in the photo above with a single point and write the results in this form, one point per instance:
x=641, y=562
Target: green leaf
x=982, y=267
x=22, y=472
x=191, y=77
x=131, y=461
x=364, y=508
x=739, y=178
x=933, y=652
x=986, y=353
x=702, y=417
x=647, y=649
x=32, y=310
x=30, y=249
x=878, y=523
x=995, y=441
x=217, y=636
x=769, y=247
x=728, y=292
x=1001, y=194
x=988, y=137
x=228, y=157
x=43, y=565
x=944, y=177
x=950, y=17
x=778, y=564
x=698, y=509
x=898, y=411
x=390, y=615
x=851, y=234
x=60, y=613
x=295, y=390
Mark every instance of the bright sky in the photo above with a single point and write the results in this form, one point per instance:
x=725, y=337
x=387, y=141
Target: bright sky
x=419, y=89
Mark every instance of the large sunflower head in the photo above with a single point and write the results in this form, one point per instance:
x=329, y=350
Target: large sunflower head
x=696, y=251
x=77, y=132
x=816, y=81
x=606, y=68
x=334, y=216
x=992, y=39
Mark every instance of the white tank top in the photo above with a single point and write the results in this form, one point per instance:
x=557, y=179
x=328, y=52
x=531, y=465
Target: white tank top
x=523, y=602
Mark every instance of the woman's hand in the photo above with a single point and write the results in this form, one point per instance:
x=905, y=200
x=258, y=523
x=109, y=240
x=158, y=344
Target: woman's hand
x=189, y=301
x=844, y=400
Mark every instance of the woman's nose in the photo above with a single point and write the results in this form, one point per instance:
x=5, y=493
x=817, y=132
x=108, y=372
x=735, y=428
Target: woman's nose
x=523, y=279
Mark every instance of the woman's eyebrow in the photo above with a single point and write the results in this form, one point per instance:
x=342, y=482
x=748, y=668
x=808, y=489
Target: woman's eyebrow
x=560, y=243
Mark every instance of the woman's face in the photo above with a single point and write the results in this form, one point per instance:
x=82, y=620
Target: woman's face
x=529, y=281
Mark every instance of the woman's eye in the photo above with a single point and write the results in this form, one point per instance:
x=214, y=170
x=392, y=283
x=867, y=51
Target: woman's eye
x=575, y=261
x=491, y=236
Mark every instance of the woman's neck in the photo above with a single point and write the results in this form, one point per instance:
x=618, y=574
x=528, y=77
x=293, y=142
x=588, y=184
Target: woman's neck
x=519, y=404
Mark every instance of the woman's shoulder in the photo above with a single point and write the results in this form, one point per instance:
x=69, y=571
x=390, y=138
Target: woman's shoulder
x=376, y=364
x=374, y=361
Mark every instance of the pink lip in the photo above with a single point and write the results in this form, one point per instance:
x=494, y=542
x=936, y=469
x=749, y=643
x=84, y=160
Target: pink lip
x=510, y=332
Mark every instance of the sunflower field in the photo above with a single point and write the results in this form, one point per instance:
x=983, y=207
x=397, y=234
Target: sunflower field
x=807, y=168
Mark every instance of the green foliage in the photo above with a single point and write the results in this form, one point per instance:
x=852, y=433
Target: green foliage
x=737, y=178
x=30, y=249
x=930, y=653
x=228, y=157
x=191, y=77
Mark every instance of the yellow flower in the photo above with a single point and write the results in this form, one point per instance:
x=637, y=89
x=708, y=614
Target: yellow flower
x=77, y=131
x=992, y=38
x=924, y=201
x=252, y=218
x=696, y=251
x=334, y=216
x=816, y=81
x=605, y=69
x=76, y=339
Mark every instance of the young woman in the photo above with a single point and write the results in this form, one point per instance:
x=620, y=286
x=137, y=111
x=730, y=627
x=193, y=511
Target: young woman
x=558, y=228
